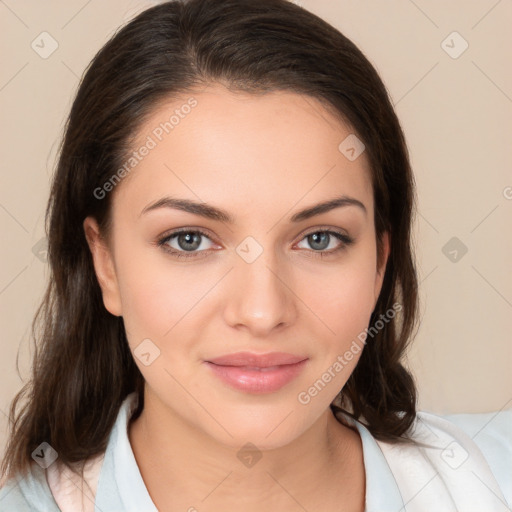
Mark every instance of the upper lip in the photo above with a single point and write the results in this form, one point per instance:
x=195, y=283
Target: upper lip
x=257, y=360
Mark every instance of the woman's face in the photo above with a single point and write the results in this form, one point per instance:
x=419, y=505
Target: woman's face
x=268, y=280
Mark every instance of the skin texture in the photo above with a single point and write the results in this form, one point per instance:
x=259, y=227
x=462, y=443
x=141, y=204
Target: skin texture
x=262, y=159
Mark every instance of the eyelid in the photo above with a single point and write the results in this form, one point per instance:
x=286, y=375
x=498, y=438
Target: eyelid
x=316, y=229
x=187, y=229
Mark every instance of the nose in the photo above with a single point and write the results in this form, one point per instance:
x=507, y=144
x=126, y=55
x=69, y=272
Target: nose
x=260, y=297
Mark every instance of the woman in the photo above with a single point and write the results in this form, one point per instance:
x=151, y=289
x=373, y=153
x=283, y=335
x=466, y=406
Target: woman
x=233, y=285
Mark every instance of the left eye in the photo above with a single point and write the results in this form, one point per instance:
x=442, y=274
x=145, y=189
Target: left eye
x=321, y=240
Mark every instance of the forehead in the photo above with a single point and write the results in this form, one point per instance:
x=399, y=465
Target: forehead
x=243, y=149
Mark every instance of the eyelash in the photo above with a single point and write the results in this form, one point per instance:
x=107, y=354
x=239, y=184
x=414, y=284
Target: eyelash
x=345, y=239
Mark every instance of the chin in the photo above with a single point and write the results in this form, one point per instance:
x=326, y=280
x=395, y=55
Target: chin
x=265, y=429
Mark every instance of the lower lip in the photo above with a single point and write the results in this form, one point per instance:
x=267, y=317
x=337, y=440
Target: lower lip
x=257, y=381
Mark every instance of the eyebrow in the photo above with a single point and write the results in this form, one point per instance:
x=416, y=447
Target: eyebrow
x=214, y=213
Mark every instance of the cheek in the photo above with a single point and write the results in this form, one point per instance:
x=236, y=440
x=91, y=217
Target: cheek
x=343, y=297
x=162, y=299
x=159, y=301
x=153, y=297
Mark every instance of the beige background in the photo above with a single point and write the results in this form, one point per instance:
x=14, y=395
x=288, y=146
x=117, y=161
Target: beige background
x=456, y=113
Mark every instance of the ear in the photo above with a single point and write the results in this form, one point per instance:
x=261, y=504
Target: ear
x=381, y=265
x=103, y=266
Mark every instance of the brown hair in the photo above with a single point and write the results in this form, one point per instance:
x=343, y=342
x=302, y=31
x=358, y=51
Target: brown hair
x=83, y=367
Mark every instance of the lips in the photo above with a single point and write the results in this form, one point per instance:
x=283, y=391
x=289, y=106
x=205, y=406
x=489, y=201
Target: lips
x=257, y=373
x=257, y=360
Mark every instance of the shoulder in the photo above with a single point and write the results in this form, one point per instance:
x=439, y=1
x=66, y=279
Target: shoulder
x=28, y=493
x=492, y=433
x=466, y=457
x=56, y=488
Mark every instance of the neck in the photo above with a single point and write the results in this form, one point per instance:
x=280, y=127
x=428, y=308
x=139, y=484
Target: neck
x=183, y=467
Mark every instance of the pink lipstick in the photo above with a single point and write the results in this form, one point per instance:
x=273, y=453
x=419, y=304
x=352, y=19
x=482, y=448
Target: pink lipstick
x=257, y=373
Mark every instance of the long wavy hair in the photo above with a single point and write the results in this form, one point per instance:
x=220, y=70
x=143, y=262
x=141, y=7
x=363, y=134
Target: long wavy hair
x=82, y=367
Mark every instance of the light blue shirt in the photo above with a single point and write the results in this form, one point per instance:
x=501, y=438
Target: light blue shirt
x=122, y=489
